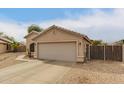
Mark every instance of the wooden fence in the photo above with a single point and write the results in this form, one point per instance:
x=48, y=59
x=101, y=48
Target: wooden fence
x=104, y=53
x=21, y=49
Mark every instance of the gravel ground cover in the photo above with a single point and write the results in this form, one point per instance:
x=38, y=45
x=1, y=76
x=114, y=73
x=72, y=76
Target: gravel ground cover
x=95, y=72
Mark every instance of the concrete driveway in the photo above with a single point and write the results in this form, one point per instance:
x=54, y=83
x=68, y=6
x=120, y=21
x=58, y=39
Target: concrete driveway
x=35, y=72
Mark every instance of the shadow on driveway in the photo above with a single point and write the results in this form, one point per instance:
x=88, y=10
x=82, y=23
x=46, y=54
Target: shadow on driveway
x=59, y=63
x=101, y=66
x=94, y=66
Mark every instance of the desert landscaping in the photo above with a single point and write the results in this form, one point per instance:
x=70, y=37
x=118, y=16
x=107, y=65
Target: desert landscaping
x=95, y=72
x=59, y=55
x=9, y=59
x=45, y=71
x=52, y=59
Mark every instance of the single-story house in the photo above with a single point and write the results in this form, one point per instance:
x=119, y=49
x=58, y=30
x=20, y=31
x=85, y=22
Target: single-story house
x=5, y=45
x=57, y=43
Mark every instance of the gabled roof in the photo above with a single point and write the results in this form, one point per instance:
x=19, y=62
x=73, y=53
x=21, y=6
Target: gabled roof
x=31, y=33
x=4, y=40
x=64, y=29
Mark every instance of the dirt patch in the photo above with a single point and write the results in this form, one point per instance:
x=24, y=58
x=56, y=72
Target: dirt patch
x=95, y=72
x=7, y=59
x=63, y=72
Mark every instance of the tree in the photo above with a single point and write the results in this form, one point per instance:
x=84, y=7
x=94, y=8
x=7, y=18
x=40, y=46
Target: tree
x=35, y=28
x=98, y=42
x=14, y=43
x=9, y=38
x=1, y=33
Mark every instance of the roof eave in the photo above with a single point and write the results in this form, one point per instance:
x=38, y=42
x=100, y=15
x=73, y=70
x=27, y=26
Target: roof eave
x=67, y=30
x=31, y=33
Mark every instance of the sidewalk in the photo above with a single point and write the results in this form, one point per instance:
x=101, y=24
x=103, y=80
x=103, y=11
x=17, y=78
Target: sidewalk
x=21, y=58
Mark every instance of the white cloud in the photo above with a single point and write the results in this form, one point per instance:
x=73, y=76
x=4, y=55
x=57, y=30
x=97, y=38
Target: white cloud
x=13, y=28
x=98, y=25
x=107, y=26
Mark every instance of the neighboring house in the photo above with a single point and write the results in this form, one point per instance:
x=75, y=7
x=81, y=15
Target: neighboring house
x=5, y=45
x=57, y=43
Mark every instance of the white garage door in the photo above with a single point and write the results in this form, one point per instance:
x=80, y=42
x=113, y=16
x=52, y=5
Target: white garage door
x=57, y=51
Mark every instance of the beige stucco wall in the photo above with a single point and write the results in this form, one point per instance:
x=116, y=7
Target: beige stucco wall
x=56, y=35
x=123, y=53
x=29, y=40
x=3, y=48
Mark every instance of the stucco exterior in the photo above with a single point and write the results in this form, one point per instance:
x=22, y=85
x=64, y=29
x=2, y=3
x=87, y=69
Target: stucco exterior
x=5, y=45
x=58, y=35
x=3, y=48
x=29, y=40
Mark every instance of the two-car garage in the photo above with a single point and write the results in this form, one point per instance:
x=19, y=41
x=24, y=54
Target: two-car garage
x=65, y=51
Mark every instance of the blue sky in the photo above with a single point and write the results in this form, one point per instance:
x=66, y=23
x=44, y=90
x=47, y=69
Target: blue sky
x=43, y=14
x=104, y=24
x=39, y=14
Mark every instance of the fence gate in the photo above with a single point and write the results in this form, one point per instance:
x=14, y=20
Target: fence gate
x=104, y=52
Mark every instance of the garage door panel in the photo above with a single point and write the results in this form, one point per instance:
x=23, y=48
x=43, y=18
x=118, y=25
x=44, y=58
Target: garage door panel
x=57, y=51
